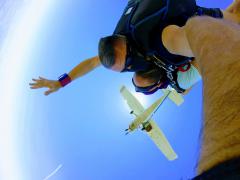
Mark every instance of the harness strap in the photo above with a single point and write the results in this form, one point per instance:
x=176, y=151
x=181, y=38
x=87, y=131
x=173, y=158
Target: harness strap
x=171, y=72
x=173, y=82
x=183, y=67
x=213, y=12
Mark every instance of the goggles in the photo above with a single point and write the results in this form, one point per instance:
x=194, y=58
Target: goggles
x=148, y=90
x=134, y=61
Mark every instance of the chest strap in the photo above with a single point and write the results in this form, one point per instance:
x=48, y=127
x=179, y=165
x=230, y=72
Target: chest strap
x=171, y=72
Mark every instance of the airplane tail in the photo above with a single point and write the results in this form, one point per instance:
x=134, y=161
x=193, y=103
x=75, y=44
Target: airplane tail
x=174, y=97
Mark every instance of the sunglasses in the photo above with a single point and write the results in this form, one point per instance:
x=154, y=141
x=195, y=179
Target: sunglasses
x=148, y=90
x=134, y=61
x=129, y=60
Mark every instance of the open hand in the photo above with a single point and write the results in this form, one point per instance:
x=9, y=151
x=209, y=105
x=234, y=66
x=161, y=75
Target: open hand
x=42, y=82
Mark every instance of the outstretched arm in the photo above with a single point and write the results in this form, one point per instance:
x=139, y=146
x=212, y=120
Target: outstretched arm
x=80, y=70
x=216, y=45
x=84, y=67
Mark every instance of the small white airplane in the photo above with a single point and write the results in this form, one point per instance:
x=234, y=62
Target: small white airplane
x=143, y=119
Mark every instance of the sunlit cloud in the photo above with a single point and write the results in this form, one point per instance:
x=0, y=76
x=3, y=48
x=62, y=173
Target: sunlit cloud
x=12, y=66
x=143, y=99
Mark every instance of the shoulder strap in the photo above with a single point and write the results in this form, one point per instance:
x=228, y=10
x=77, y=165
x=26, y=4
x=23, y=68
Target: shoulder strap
x=172, y=77
x=177, y=8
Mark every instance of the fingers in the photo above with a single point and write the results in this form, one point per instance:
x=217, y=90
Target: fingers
x=42, y=82
x=49, y=92
x=36, y=80
x=37, y=84
x=42, y=78
x=34, y=86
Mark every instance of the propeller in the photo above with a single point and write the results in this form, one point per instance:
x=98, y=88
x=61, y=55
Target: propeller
x=127, y=131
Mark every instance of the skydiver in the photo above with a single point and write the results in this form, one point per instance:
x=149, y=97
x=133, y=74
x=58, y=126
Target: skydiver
x=115, y=51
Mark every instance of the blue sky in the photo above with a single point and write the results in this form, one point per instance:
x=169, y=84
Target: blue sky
x=81, y=127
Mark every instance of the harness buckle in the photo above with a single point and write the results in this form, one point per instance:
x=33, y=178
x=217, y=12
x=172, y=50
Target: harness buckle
x=169, y=75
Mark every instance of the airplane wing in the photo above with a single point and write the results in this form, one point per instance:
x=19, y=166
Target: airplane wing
x=132, y=102
x=161, y=141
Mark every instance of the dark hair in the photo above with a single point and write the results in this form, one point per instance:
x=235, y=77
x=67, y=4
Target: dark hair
x=106, y=50
x=154, y=74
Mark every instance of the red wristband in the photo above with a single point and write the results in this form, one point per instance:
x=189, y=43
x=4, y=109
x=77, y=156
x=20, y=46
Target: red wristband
x=64, y=79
